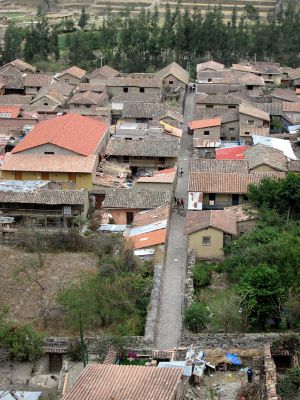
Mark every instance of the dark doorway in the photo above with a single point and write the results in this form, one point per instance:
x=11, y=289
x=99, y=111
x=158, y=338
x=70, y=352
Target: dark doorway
x=55, y=362
x=129, y=218
x=235, y=199
x=283, y=362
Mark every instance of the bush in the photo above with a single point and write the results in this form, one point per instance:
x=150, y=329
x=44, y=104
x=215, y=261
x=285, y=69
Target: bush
x=201, y=275
x=196, y=317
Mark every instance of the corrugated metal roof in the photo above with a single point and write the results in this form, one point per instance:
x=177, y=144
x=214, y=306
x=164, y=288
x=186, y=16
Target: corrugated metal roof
x=149, y=239
x=149, y=228
x=21, y=186
x=5, y=395
x=125, y=382
x=112, y=228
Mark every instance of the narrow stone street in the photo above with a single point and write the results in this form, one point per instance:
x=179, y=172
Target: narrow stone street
x=169, y=324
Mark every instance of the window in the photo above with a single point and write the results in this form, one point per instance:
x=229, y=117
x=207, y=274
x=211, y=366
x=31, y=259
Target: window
x=209, y=80
x=161, y=159
x=231, y=129
x=45, y=176
x=250, y=122
x=235, y=199
x=48, y=152
x=270, y=76
x=206, y=241
x=45, y=103
x=232, y=138
x=249, y=87
x=171, y=82
x=142, y=90
x=209, y=106
x=212, y=196
x=128, y=138
x=206, y=133
x=232, y=106
x=245, y=197
x=67, y=80
x=18, y=175
x=125, y=89
x=72, y=177
x=247, y=133
x=125, y=159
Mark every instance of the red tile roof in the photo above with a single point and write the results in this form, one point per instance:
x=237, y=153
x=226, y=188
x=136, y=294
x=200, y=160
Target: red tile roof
x=164, y=176
x=124, y=382
x=148, y=239
x=12, y=111
x=71, y=131
x=223, y=220
x=232, y=153
x=73, y=71
x=48, y=163
x=204, y=123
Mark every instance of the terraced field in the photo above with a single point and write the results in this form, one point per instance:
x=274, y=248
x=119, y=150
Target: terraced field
x=99, y=6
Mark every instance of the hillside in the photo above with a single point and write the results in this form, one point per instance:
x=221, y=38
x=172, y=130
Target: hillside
x=98, y=7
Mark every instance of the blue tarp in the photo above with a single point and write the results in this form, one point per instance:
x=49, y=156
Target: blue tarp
x=233, y=358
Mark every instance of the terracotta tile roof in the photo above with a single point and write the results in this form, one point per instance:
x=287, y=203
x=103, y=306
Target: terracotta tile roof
x=285, y=95
x=73, y=71
x=124, y=382
x=244, y=68
x=204, y=123
x=148, y=239
x=141, y=110
x=151, y=216
x=129, y=81
x=294, y=165
x=14, y=82
x=58, y=90
x=106, y=70
x=37, y=80
x=243, y=212
x=14, y=99
x=231, y=153
x=161, y=177
x=219, y=166
x=253, y=112
x=136, y=198
x=48, y=163
x=216, y=66
x=208, y=182
x=223, y=220
x=9, y=112
x=221, y=77
x=294, y=73
x=93, y=87
x=218, y=88
x=270, y=108
x=176, y=70
x=252, y=79
x=291, y=107
x=109, y=181
x=142, y=148
x=44, y=196
x=74, y=132
x=198, y=142
x=266, y=67
x=89, y=98
x=135, y=98
x=261, y=154
x=253, y=130
x=22, y=65
x=228, y=99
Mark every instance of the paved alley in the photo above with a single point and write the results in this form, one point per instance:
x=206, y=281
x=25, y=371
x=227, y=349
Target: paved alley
x=169, y=324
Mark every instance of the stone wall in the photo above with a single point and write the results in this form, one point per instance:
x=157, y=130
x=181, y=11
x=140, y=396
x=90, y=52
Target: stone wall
x=189, y=284
x=270, y=374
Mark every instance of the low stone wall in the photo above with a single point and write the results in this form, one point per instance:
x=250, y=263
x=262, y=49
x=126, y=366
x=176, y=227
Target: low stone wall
x=189, y=283
x=270, y=374
x=153, y=310
x=226, y=340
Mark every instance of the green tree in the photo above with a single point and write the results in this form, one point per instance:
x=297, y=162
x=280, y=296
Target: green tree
x=13, y=38
x=261, y=284
x=83, y=19
x=196, y=317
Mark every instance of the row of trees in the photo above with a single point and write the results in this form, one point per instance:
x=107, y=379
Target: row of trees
x=144, y=43
x=263, y=266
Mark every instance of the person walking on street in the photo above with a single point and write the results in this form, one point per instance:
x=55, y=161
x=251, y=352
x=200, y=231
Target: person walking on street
x=182, y=202
x=175, y=200
x=249, y=375
x=181, y=172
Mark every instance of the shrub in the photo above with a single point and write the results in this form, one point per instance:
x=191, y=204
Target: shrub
x=201, y=275
x=196, y=317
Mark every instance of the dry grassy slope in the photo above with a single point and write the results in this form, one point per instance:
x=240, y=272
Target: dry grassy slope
x=22, y=297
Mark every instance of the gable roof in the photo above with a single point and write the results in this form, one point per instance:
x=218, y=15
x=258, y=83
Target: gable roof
x=142, y=148
x=204, y=123
x=58, y=91
x=44, y=196
x=14, y=99
x=106, y=70
x=223, y=220
x=71, y=131
x=9, y=112
x=141, y=110
x=214, y=65
x=176, y=70
x=231, y=153
x=230, y=99
x=133, y=81
x=48, y=163
x=147, y=239
x=22, y=65
x=261, y=154
x=160, y=177
x=92, y=87
x=136, y=198
x=73, y=71
x=253, y=112
x=37, y=80
x=209, y=182
x=219, y=166
x=294, y=73
x=291, y=107
x=124, y=382
x=285, y=94
x=151, y=216
x=89, y=98
x=251, y=79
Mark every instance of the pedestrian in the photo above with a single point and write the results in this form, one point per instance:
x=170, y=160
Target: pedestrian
x=178, y=203
x=181, y=172
x=249, y=375
x=175, y=200
x=182, y=202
